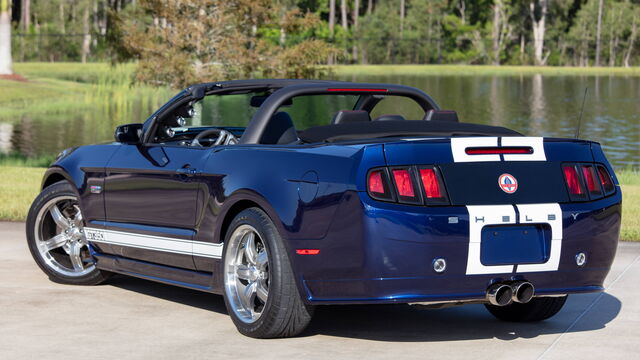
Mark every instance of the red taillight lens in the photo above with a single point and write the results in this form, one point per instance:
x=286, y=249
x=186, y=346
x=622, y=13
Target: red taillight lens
x=605, y=180
x=430, y=183
x=499, y=150
x=376, y=184
x=403, y=182
x=589, y=174
x=573, y=180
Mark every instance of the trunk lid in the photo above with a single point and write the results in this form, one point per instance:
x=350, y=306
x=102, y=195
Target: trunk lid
x=488, y=178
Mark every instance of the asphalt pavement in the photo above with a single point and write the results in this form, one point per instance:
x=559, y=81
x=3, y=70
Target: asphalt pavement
x=129, y=318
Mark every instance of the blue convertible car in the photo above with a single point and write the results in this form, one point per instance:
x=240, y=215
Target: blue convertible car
x=390, y=200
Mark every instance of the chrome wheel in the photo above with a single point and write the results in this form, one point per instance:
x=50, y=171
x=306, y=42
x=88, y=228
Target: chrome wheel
x=246, y=272
x=60, y=237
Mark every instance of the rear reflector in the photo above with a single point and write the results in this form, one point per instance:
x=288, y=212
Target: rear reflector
x=573, y=181
x=403, y=183
x=605, y=180
x=308, y=251
x=430, y=183
x=499, y=150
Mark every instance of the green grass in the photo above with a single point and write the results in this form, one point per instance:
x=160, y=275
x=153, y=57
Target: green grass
x=19, y=185
x=71, y=87
x=422, y=70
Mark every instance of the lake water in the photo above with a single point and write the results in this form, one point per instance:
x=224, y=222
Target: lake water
x=534, y=105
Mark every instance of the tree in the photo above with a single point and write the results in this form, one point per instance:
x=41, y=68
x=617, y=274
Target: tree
x=25, y=16
x=180, y=42
x=598, y=31
x=6, y=67
x=632, y=38
x=501, y=29
x=538, y=26
x=332, y=16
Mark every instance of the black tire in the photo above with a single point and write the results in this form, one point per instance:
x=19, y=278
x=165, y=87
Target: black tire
x=284, y=314
x=538, y=309
x=35, y=228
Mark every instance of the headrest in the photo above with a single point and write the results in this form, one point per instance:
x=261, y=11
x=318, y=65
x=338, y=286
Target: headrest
x=279, y=130
x=350, y=116
x=441, y=115
x=389, y=117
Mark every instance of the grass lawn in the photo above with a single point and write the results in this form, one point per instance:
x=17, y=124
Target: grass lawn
x=20, y=185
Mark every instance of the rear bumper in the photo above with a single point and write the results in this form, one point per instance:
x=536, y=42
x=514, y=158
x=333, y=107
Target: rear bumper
x=383, y=253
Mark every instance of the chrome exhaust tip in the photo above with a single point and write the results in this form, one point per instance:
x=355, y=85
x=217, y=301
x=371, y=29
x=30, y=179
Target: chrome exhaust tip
x=522, y=292
x=499, y=294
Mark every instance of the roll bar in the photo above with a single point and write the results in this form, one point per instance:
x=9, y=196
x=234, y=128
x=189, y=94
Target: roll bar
x=256, y=127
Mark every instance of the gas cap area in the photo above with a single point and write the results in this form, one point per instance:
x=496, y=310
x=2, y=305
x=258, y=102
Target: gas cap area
x=308, y=186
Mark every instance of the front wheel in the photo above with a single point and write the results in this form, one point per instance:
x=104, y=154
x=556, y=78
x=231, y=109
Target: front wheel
x=56, y=237
x=260, y=292
x=537, y=309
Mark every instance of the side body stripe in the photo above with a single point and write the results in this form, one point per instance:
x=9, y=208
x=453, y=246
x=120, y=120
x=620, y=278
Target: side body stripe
x=157, y=243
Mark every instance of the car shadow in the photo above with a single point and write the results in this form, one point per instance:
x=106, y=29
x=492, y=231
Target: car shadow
x=405, y=323
x=189, y=297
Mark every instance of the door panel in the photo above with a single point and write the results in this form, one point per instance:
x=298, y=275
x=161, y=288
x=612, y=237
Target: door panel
x=154, y=187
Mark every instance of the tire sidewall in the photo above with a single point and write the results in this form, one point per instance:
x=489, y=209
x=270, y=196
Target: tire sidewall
x=275, y=251
x=58, y=189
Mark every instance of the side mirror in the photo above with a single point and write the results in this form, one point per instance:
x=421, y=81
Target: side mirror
x=129, y=133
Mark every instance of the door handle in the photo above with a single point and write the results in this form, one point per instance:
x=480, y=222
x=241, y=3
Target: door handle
x=187, y=171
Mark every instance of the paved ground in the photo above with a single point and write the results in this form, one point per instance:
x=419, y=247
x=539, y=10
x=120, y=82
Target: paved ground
x=131, y=318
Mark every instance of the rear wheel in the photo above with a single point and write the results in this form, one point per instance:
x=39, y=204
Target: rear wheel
x=259, y=287
x=55, y=234
x=537, y=309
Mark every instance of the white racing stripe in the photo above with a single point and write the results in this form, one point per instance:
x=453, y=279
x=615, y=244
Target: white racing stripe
x=536, y=143
x=460, y=144
x=544, y=213
x=479, y=217
x=483, y=215
x=157, y=243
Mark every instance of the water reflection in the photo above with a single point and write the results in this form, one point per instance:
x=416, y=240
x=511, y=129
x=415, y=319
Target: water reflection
x=535, y=105
x=538, y=105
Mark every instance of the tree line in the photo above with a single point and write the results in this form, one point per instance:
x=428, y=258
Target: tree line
x=291, y=37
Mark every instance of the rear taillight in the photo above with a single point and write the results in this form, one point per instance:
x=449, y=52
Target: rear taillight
x=593, y=185
x=375, y=182
x=430, y=183
x=409, y=185
x=378, y=184
x=605, y=180
x=404, y=185
x=587, y=181
x=573, y=180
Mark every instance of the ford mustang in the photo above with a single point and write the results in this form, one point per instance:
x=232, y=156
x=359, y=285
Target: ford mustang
x=233, y=188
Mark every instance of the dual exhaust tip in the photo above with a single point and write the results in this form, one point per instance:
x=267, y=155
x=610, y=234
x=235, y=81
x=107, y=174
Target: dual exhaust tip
x=502, y=294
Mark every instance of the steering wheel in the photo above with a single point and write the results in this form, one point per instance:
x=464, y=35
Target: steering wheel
x=223, y=137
